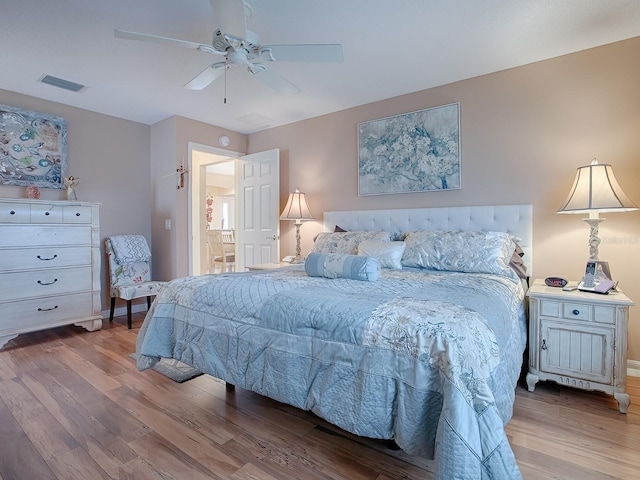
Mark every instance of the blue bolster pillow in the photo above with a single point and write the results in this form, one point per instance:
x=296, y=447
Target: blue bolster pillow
x=339, y=265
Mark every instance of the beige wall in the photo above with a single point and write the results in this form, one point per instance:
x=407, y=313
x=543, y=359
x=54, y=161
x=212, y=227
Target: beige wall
x=111, y=158
x=170, y=141
x=524, y=132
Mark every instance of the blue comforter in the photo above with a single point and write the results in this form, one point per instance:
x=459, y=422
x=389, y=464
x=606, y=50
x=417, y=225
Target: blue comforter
x=427, y=359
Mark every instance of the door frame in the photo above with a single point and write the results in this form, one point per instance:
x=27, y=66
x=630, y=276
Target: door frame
x=196, y=199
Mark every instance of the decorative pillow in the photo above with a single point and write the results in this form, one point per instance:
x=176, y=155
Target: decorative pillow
x=339, y=229
x=346, y=242
x=337, y=265
x=471, y=252
x=517, y=264
x=389, y=254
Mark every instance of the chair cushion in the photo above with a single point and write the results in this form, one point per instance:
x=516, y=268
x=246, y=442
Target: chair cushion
x=146, y=289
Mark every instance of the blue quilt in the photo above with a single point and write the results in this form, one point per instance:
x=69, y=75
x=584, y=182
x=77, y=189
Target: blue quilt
x=429, y=359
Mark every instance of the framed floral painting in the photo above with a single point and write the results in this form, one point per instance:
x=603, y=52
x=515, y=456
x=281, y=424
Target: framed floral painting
x=412, y=152
x=33, y=148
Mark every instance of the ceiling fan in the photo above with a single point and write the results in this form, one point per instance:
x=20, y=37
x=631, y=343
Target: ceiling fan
x=239, y=47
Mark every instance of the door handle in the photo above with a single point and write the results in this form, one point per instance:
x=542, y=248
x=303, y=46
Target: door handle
x=273, y=237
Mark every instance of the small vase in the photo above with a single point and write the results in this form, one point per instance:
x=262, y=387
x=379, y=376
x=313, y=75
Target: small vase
x=32, y=191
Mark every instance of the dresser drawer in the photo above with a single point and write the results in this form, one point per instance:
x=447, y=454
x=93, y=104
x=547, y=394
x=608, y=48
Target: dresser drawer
x=15, y=213
x=43, y=257
x=36, y=283
x=37, y=235
x=46, y=213
x=27, y=315
x=76, y=214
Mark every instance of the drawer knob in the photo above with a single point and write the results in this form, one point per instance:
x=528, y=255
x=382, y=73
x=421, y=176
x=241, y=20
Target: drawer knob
x=47, y=309
x=12, y=212
x=47, y=259
x=49, y=283
x=576, y=311
x=78, y=214
x=47, y=213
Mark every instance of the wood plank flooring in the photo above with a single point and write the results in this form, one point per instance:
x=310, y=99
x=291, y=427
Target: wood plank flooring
x=74, y=406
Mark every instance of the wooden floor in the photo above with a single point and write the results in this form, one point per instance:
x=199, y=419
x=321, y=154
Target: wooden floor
x=74, y=406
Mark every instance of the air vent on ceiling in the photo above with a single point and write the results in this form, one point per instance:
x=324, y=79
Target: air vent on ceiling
x=61, y=83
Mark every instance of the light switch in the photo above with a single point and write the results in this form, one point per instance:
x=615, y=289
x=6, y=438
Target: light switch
x=167, y=224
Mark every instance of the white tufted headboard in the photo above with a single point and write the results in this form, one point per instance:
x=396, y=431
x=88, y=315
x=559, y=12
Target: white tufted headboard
x=514, y=219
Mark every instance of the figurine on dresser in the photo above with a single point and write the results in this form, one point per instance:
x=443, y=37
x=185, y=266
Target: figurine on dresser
x=71, y=183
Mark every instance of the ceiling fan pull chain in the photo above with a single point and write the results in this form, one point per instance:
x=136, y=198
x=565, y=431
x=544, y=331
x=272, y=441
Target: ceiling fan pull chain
x=225, y=84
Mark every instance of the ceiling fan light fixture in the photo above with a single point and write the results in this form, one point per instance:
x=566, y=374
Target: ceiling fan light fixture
x=241, y=47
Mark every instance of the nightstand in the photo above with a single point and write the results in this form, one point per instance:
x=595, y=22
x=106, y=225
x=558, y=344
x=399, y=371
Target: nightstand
x=579, y=339
x=269, y=266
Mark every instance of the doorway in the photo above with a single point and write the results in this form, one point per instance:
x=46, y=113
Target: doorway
x=213, y=199
x=254, y=201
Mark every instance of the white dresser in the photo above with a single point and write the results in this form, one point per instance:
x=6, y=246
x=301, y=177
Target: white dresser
x=49, y=266
x=579, y=339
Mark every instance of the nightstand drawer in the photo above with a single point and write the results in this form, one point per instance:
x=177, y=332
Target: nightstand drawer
x=572, y=311
x=604, y=315
x=576, y=311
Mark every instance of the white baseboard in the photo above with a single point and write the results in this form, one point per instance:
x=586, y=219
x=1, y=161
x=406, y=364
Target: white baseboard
x=633, y=368
x=122, y=311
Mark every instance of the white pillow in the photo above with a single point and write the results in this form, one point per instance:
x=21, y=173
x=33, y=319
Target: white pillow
x=471, y=252
x=346, y=242
x=389, y=254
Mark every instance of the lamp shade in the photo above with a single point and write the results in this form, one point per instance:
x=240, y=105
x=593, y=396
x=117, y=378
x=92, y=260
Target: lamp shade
x=595, y=189
x=296, y=208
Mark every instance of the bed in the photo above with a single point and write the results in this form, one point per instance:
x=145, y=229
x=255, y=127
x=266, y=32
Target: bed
x=427, y=354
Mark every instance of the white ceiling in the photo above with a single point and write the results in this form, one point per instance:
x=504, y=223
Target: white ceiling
x=390, y=48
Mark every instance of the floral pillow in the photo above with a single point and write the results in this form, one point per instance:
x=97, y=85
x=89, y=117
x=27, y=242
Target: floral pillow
x=389, y=254
x=470, y=252
x=346, y=242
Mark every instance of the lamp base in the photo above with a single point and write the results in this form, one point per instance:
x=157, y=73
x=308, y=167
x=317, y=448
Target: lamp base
x=594, y=240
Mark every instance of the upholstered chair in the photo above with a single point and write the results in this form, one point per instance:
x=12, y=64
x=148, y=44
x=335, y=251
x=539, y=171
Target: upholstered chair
x=130, y=271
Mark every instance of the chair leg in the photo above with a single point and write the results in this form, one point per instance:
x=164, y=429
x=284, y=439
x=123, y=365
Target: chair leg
x=129, y=314
x=113, y=306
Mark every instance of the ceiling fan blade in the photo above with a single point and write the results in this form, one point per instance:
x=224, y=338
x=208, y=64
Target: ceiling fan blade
x=229, y=17
x=274, y=80
x=143, y=37
x=331, y=53
x=206, y=77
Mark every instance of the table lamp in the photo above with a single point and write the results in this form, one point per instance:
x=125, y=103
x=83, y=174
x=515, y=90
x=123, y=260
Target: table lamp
x=595, y=190
x=297, y=210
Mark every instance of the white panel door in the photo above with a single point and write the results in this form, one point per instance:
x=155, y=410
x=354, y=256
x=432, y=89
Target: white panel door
x=258, y=217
